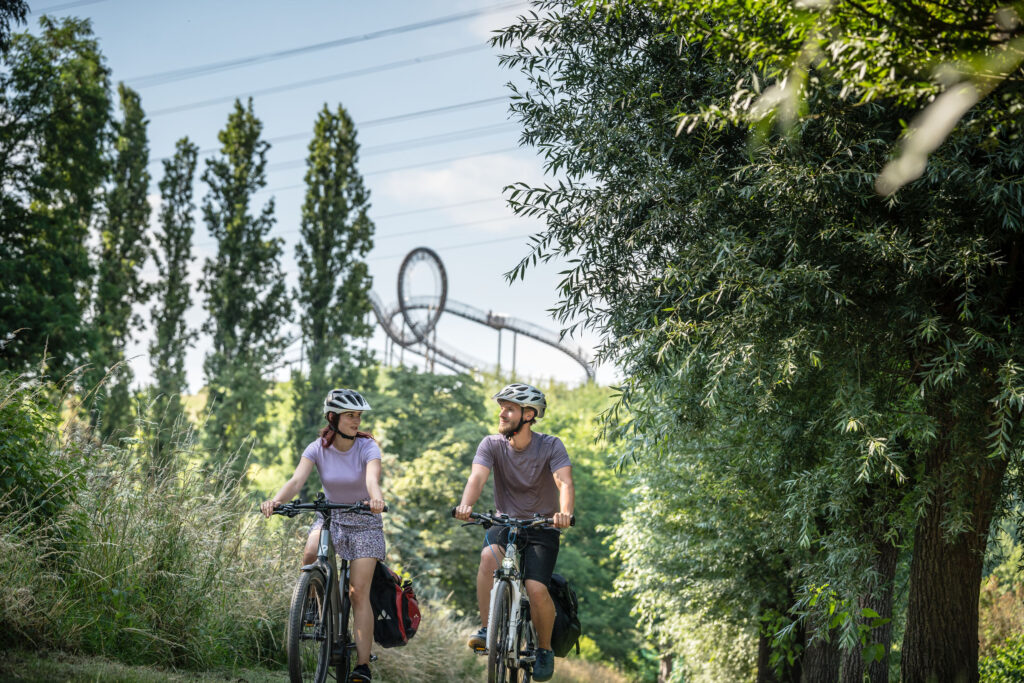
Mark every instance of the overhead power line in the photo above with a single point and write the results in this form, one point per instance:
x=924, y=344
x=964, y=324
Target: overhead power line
x=318, y=81
x=402, y=168
x=413, y=143
x=378, y=236
x=373, y=122
x=63, y=6
x=521, y=238
x=213, y=67
x=439, y=207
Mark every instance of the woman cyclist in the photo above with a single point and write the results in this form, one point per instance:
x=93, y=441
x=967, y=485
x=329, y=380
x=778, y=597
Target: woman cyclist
x=349, y=465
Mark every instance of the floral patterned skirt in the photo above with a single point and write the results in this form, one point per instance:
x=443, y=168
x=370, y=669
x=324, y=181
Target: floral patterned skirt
x=354, y=535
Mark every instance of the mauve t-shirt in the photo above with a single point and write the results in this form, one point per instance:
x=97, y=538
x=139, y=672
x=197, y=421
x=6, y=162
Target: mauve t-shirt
x=523, y=485
x=343, y=473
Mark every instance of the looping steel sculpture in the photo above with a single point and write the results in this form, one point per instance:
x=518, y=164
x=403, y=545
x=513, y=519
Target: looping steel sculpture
x=420, y=315
x=428, y=257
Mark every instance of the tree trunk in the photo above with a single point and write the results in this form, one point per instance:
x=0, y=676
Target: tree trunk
x=941, y=640
x=765, y=674
x=820, y=662
x=665, y=669
x=879, y=599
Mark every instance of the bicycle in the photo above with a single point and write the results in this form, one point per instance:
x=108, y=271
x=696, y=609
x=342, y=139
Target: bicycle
x=511, y=637
x=318, y=635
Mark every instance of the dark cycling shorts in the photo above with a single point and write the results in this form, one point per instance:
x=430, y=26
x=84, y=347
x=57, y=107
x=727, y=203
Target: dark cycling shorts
x=541, y=550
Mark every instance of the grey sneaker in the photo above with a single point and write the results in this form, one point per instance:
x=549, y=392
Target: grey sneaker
x=478, y=640
x=544, y=667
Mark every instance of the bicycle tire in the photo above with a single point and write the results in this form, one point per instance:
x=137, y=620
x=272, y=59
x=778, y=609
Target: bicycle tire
x=346, y=641
x=310, y=630
x=498, y=670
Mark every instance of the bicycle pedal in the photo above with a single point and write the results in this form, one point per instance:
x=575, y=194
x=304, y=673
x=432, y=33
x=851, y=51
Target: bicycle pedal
x=480, y=650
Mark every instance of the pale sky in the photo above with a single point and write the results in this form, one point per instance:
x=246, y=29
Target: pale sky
x=435, y=177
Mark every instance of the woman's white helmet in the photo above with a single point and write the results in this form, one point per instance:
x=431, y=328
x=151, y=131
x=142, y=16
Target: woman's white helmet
x=523, y=395
x=344, y=400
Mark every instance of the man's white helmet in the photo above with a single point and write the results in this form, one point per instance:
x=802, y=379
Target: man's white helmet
x=344, y=400
x=524, y=395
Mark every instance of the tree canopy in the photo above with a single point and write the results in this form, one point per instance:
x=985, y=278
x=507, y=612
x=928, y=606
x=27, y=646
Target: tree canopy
x=868, y=347
x=938, y=60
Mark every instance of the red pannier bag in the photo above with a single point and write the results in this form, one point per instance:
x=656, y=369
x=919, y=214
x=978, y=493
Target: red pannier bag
x=396, y=613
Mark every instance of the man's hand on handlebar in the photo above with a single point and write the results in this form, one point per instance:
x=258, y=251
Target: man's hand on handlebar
x=562, y=520
x=267, y=507
x=462, y=512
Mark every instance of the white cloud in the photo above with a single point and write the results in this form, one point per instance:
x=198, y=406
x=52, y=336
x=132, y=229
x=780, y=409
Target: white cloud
x=462, y=181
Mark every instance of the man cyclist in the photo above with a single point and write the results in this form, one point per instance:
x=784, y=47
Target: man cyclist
x=532, y=474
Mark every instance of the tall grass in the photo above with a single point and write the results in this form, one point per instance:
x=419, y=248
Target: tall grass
x=168, y=566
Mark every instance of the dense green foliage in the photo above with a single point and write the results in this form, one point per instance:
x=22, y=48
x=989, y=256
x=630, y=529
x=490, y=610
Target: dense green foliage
x=943, y=58
x=123, y=249
x=334, y=280
x=246, y=298
x=850, y=363
x=30, y=477
x=54, y=118
x=1005, y=664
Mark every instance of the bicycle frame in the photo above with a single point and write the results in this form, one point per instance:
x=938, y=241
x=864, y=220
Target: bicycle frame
x=336, y=581
x=509, y=573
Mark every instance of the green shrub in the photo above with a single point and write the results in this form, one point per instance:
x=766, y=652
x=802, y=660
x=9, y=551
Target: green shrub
x=1006, y=663
x=36, y=472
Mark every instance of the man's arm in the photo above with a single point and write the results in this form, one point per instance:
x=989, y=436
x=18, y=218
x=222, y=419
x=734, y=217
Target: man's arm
x=474, y=487
x=566, y=495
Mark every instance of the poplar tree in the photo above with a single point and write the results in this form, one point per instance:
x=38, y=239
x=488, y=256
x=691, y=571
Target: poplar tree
x=54, y=126
x=333, y=277
x=122, y=252
x=246, y=298
x=173, y=255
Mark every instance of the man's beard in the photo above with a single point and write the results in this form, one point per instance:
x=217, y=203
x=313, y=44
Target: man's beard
x=510, y=431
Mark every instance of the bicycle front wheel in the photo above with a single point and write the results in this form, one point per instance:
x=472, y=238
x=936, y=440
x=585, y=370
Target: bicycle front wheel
x=499, y=657
x=310, y=630
x=345, y=654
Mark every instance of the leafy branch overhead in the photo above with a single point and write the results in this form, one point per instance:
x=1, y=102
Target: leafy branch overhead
x=937, y=60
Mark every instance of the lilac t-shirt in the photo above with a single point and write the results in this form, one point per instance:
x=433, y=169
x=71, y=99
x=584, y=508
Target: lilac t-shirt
x=343, y=473
x=523, y=485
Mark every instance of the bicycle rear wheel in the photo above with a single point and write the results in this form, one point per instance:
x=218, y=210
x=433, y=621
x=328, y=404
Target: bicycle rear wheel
x=310, y=630
x=498, y=655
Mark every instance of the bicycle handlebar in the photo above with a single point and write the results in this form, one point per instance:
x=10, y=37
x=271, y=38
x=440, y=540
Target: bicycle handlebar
x=321, y=505
x=489, y=519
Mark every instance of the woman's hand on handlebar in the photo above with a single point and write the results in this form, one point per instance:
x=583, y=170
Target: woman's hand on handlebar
x=376, y=505
x=267, y=507
x=461, y=512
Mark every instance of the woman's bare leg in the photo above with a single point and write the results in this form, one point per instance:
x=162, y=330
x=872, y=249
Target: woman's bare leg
x=360, y=576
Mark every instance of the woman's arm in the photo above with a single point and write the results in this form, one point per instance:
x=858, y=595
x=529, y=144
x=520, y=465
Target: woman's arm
x=373, y=486
x=291, y=487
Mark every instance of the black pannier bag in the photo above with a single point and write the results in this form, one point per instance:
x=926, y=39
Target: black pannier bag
x=396, y=613
x=567, y=630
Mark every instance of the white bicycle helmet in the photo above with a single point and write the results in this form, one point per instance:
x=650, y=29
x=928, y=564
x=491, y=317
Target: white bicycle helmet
x=523, y=395
x=344, y=400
